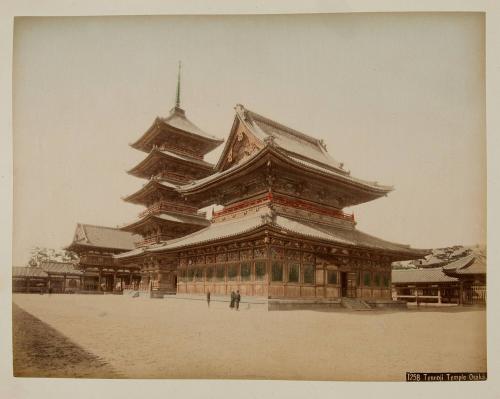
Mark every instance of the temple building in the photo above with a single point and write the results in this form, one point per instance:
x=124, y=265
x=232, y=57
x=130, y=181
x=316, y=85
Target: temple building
x=50, y=276
x=282, y=231
x=95, y=246
x=459, y=282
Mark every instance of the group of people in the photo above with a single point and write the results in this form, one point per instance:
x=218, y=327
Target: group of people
x=235, y=300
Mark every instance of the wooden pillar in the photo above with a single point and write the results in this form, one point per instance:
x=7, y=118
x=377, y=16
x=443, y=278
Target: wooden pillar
x=99, y=288
x=439, y=295
x=461, y=294
x=64, y=284
x=416, y=295
x=114, y=281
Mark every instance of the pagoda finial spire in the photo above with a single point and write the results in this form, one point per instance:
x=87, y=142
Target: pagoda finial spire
x=178, y=94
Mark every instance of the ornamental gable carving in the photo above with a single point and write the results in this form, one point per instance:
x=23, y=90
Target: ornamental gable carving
x=243, y=145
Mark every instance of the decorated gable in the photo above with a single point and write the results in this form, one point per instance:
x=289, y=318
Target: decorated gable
x=241, y=145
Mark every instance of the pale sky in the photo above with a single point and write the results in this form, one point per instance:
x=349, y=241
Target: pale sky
x=398, y=98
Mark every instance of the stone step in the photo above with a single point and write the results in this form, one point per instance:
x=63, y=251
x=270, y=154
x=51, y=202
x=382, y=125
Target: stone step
x=355, y=304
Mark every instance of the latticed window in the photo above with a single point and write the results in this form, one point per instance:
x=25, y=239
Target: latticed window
x=332, y=277
x=220, y=272
x=232, y=272
x=293, y=272
x=190, y=274
x=308, y=274
x=367, y=278
x=260, y=270
x=246, y=269
x=198, y=274
x=210, y=273
x=277, y=271
x=386, y=280
x=377, y=279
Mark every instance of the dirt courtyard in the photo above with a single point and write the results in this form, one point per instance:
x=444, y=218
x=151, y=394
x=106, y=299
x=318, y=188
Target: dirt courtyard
x=174, y=338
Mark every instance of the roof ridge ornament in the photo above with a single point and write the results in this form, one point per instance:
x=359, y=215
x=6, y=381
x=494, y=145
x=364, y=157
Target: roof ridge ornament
x=322, y=144
x=269, y=141
x=178, y=93
x=177, y=110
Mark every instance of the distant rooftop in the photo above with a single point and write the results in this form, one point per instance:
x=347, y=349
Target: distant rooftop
x=103, y=237
x=428, y=275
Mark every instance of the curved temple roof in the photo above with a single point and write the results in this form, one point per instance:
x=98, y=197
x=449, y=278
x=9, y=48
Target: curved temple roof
x=295, y=147
x=305, y=229
x=155, y=155
x=167, y=218
x=179, y=122
x=149, y=187
x=374, y=189
x=288, y=139
x=89, y=235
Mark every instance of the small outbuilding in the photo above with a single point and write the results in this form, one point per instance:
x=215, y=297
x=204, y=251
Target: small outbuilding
x=425, y=286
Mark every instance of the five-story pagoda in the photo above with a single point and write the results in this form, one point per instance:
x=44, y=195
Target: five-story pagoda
x=176, y=148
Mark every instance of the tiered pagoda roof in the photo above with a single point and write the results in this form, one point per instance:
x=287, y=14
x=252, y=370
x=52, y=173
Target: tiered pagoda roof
x=175, y=147
x=169, y=129
x=168, y=219
x=152, y=187
x=187, y=166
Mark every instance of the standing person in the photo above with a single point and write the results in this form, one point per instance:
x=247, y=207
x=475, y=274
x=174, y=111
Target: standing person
x=233, y=297
x=208, y=298
x=238, y=299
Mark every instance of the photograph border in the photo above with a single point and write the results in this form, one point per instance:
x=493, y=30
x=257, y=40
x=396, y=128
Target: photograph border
x=11, y=387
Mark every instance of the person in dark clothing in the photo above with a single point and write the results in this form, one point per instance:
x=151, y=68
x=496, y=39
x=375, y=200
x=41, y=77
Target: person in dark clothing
x=208, y=298
x=237, y=300
x=233, y=298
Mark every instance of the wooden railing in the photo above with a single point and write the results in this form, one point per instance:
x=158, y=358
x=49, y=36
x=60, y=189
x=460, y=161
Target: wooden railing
x=152, y=240
x=167, y=206
x=294, y=203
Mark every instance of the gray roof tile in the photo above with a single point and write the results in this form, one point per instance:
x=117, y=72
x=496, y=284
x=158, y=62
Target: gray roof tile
x=428, y=275
x=34, y=272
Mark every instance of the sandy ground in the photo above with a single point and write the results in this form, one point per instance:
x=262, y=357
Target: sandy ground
x=173, y=338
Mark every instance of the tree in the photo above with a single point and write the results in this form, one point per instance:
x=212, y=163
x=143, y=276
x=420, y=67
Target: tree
x=41, y=254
